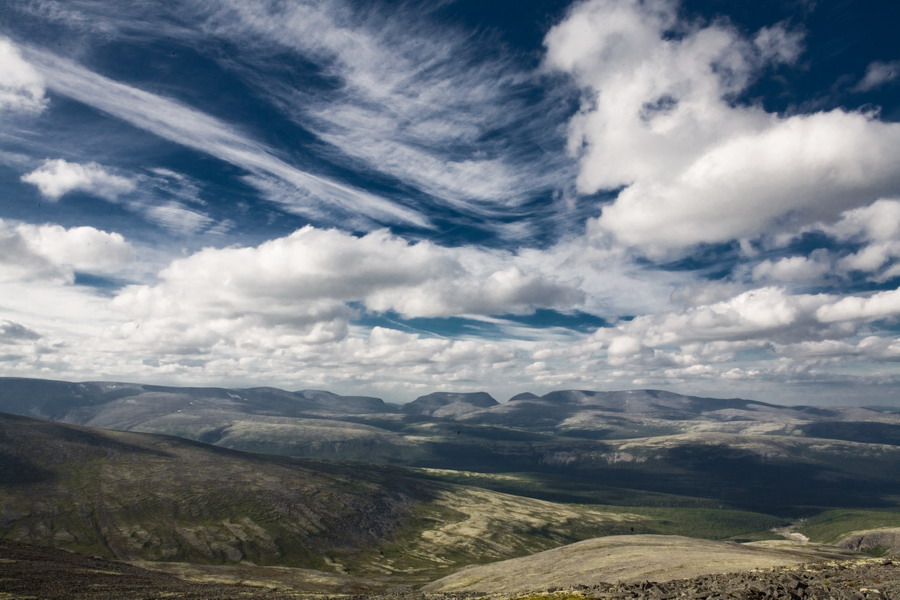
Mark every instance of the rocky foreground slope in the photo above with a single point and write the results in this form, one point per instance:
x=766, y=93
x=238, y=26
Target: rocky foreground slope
x=627, y=559
x=847, y=580
x=51, y=574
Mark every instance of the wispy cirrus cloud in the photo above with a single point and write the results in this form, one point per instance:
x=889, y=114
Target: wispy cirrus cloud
x=395, y=94
x=878, y=74
x=427, y=105
x=179, y=123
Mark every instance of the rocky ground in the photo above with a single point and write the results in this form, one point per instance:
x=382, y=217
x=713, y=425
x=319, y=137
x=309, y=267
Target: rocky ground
x=38, y=573
x=846, y=580
x=863, y=579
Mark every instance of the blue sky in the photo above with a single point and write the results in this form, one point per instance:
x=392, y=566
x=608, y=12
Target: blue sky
x=400, y=197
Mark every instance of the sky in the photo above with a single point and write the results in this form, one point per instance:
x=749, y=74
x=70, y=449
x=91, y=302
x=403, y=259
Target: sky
x=392, y=198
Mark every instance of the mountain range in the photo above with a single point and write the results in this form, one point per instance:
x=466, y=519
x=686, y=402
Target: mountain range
x=625, y=447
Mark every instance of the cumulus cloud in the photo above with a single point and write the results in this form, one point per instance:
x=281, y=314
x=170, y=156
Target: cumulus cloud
x=753, y=340
x=794, y=268
x=21, y=86
x=872, y=232
x=52, y=252
x=877, y=222
x=696, y=166
x=57, y=177
x=308, y=282
x=877, y=306
x=764, y=314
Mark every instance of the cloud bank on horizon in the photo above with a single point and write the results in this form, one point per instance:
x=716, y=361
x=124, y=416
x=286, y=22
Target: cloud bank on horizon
x=396, y=198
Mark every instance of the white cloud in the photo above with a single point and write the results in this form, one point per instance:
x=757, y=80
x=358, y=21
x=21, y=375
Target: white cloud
x=879, y=221
x=281, y=279
x=301, y=292
x=881, y=348
x=803, y=170
x=794, y=268
x=764, y=313
x=761, y=316
x=878, y=74
x=871, y=258
x=837, y=352
x=754, y=341
x=876, y=306
x=57, y=177
x=874, y=229
x=51, y=252
x=696, y=167
x=21, y=86
x=624, y=349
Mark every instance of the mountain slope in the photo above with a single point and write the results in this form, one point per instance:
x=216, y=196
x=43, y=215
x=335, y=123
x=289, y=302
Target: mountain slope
x=143, y=496
x=140, y=496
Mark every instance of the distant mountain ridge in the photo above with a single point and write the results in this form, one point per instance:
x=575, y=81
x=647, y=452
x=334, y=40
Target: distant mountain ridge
x=55, y=400
x=637, y=445
x=69, y=401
